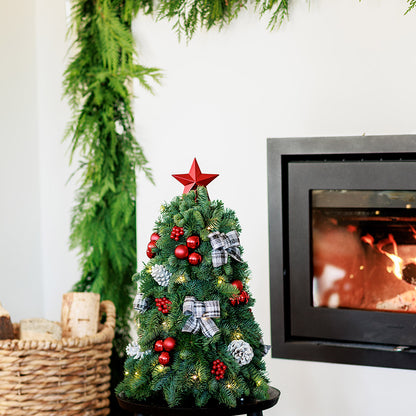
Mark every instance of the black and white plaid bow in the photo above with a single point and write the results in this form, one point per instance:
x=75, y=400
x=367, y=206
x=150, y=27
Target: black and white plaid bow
x=140, y=303
x=224, y=245
x=200, y=316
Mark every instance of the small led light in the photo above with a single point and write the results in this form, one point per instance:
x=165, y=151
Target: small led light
x=126, y=373
x=377, y=212
x=181, y=279
x=361, y=267
x=408, y=206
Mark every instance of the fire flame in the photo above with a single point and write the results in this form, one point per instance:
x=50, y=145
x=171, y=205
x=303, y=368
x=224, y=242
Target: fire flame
x=397, y=266
x=397, y=261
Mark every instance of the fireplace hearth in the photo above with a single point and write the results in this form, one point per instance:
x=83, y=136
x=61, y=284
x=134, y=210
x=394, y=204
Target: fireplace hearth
x=342, y=232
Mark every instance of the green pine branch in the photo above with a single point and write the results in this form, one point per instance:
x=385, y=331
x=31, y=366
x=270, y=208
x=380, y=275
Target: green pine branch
x=97, y=84
x=188, y=16
x=412, y=5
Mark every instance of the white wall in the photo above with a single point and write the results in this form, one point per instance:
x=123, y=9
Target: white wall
x=36, y=265
x=336, y=68
x=20, y=212
x=59, y=265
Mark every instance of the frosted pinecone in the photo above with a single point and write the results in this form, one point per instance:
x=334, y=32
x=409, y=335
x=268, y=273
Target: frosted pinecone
x=241, y=351
x=161, y=274
x=133, y=350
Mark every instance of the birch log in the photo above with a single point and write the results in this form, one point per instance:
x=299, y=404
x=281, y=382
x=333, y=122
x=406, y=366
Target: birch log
x=40, y=329
x=6, y=327
x=80, y=314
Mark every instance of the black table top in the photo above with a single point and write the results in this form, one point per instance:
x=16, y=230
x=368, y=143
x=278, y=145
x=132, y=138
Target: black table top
x=245, y=407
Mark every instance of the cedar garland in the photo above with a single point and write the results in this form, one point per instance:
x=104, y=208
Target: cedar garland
x=98, y=85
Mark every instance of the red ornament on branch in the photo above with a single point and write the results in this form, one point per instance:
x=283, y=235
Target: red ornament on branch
x=150, y=247
x=154, y=237
x=181, y=252
x=164, y=358
x=169, y=344
x=193, y=242
x=238, y=284
x=158, y=345
x=194, y=259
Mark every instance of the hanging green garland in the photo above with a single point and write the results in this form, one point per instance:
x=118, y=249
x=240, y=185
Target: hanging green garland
x=190, y=15
x=97, y=83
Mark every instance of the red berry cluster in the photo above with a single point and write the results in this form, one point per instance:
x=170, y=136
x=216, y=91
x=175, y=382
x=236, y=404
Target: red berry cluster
x=163, y=304
x=242, y=297
x=176, y=233
x=218, y=368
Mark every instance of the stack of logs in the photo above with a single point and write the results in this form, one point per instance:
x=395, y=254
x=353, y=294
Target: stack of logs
x=79, y=318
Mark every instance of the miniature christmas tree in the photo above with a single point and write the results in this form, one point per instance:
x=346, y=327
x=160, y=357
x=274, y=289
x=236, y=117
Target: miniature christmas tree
x=198, y=340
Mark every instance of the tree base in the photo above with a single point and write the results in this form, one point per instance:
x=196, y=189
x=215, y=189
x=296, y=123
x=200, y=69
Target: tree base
x=248, y=407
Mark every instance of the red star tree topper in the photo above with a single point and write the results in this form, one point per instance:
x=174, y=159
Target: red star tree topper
x=194, y=178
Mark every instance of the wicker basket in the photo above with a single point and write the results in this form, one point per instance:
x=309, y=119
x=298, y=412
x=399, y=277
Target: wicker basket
x=67, y=377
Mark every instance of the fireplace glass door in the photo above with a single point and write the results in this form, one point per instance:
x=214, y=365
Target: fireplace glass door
x=364, y=249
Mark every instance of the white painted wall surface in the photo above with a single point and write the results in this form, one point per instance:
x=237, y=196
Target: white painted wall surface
x=336, y=68
x=20, y=234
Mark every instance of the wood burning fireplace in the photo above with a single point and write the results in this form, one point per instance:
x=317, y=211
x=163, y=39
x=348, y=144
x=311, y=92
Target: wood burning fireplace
x=342, y=232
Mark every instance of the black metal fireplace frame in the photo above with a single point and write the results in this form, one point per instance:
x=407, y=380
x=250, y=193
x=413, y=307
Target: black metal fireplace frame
x=289, y=339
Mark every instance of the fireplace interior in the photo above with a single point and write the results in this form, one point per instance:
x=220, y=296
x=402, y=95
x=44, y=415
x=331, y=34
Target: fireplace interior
x=364, y=250
x=342, y=232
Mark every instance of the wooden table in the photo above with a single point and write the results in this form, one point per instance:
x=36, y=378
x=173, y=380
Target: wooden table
x=248, y=407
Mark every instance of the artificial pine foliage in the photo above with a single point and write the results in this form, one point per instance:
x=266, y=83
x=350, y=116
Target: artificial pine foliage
x=223, y=365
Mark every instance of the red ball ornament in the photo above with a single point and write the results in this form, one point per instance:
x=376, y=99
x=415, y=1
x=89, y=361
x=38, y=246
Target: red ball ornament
x=181, y=251
x=158, y=345
x=151, y=245
x=150, y=254
x=154, y=237
x=193, y=242
x=194, y=259
x=238, y=284
x=164, y=358
x=169, y=344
